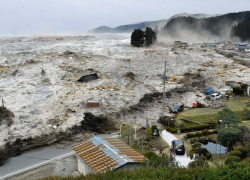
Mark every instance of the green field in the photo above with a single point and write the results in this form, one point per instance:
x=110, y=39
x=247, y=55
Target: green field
x=206, y=115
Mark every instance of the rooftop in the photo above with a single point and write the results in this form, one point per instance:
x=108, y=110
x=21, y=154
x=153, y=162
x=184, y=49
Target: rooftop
x=103, y=154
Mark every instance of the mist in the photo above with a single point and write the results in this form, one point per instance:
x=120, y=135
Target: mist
x=19, y=17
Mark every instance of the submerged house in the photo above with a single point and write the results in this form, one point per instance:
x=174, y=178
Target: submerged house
x=97, y=155
x=179, y=44
x=242, y=47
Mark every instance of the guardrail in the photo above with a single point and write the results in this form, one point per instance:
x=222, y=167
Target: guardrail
x=36, y=166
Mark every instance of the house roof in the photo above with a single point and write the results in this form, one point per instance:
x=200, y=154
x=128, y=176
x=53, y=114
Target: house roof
x=89, y=77
x=103, y=154
x=241, y=44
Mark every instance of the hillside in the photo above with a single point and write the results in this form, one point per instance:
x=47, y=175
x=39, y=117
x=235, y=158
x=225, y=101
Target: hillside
x=242, y=30
x=189, y=28
x=142, y=25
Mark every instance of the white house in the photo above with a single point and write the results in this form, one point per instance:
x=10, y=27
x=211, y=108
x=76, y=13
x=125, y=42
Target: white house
x=101, y=154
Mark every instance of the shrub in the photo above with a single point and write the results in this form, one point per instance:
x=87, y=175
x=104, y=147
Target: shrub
x=215, y=131
x=235, y=153
x=151, y=155
x=238, y=90
x=208, y=156
x=246, y=114
x=205, y=132
x=191, y=153
x=172, y=130
x=231, y=159
x=198, y=134
x=196, y=144
x=243, y=150
x=203, y=151
x=190, y=135
x=198, y=163
x=6, y=115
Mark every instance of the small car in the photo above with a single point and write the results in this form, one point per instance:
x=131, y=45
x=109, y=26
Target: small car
x=178, y=147
x=215, y=96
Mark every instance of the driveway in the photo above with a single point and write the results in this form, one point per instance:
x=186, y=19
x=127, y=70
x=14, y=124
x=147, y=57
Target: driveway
x=182, y=160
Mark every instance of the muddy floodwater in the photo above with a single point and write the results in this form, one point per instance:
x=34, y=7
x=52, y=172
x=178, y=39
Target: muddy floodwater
x=38, y=80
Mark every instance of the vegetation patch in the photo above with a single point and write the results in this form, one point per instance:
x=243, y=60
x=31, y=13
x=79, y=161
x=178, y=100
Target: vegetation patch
x=6, y=115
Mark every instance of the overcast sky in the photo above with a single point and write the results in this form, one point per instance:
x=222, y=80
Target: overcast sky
x=78, y=16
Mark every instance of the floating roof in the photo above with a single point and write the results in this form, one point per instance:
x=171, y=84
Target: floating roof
x=88, y=78
x=103, y=154
x=241, y=44
x=209, y=90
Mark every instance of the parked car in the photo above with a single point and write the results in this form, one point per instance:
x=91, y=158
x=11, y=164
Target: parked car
x=223, y=92
x=178, y=147
x=177, y=108
x=215, y=96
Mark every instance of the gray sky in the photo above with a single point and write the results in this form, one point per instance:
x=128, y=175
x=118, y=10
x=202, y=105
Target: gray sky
x=78, y=16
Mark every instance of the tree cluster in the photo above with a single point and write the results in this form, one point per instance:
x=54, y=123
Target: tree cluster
x=214, y=26
x=241, y=30
x=140, y=38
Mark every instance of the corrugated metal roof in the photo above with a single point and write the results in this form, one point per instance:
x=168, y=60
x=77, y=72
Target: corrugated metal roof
x=103, y=154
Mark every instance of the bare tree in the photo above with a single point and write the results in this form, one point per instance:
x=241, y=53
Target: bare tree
x=161, y=145
x=143, y=136
x=127, y=132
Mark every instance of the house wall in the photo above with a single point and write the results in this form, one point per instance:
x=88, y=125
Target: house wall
x=248, y=90
x=130, y=166
x=83, y=167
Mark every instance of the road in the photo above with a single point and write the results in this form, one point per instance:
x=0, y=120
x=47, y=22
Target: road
x=36, y=158
x=182, y=160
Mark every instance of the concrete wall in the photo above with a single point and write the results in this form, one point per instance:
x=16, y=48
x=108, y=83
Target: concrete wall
x=83, y=167
x=130, y=166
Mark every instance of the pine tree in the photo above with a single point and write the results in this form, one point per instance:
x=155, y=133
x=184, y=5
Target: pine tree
x=137, y=38
x=150, y=36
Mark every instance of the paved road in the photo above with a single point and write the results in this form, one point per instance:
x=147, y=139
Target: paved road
x=183, y=160
x=36, y=157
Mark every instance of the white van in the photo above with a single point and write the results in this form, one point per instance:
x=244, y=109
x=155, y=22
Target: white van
x=215, y=96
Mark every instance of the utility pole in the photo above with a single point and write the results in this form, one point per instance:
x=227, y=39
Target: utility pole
x=2, y=103
x=164, y=93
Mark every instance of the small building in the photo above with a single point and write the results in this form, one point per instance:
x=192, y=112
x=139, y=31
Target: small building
x=177, y=44
x=242, y=47
x=97, y=155
x=93, y=103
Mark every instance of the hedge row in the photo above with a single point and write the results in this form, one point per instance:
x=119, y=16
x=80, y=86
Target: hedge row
x=172, y=130
x=202, y=133
x=198, y=128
